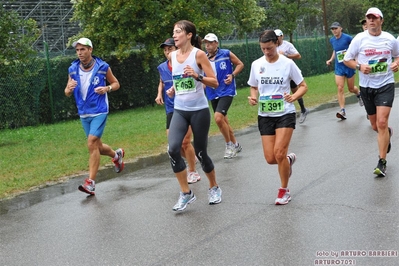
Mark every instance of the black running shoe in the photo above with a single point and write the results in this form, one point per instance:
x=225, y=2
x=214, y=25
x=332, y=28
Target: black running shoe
x=380, y=170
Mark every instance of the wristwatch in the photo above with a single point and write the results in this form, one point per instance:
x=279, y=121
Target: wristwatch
x=234, y=76
x=109, y=88
x=200, y=77
x=358, y=67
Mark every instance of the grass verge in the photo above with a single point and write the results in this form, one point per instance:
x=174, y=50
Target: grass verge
x=38, y=156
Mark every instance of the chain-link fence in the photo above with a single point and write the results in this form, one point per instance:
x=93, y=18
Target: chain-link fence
x=33, y=93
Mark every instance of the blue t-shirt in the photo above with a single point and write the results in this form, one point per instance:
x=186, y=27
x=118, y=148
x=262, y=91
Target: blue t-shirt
x=340, y=46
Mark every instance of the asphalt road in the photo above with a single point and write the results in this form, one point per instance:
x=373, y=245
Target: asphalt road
x=340, y=212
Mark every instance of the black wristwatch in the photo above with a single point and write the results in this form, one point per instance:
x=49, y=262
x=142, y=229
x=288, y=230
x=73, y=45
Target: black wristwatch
x=200, y=77
x=234, y=76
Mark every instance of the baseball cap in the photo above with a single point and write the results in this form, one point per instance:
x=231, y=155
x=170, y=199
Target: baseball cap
x=83, y=41
x=168, y=42
x=211, y=37
x=278, y=32
x=363, y=21
x=335, y=25
x=374, y=11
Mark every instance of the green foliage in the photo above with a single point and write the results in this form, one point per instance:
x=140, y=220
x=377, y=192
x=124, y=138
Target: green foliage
x=348, y=13
x=19, y=93
x=122, y=25
x=285, y=14
x=17, y=36
x=18, y=67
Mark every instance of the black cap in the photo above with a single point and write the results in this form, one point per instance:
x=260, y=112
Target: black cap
x=168, y=42
x=335, y=25
x=363, y=22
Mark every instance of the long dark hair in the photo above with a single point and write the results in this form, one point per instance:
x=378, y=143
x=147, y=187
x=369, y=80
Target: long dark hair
x=268, y=36
x=189, y=27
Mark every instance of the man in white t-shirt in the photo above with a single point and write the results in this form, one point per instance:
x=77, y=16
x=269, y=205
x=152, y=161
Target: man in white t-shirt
x=289, y=50
x=371, y=53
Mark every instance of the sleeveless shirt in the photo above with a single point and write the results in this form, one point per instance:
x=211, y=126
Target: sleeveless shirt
x=189, y=93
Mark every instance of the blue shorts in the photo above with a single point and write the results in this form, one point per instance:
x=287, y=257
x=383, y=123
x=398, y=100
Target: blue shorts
x=94, y=125
x=342, y=70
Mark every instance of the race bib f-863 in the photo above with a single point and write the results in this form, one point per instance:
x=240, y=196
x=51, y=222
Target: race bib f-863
x=271, y=103
x=184, y=84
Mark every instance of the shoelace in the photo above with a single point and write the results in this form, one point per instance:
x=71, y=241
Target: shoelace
x=213, y=192
x=281, y=193
x=184, y=198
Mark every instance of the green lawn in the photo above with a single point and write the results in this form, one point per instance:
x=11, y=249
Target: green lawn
x=36, y=156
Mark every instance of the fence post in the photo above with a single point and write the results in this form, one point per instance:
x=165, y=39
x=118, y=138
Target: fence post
x=49, y=81
x=246, y=50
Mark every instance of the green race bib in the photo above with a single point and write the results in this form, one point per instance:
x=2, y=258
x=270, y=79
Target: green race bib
x=271, y=104
x=340, y=56
x=378, y=66
x=184, y=84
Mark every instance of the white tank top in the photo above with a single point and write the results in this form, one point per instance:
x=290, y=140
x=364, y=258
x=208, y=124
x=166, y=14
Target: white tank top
x=189, y=93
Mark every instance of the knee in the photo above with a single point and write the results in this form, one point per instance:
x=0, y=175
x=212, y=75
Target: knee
x=280, y=155
x=270, y=159
x=173, y=151
x=352, y=89
x=219, y=118
x=381, y=124
x=92, y=143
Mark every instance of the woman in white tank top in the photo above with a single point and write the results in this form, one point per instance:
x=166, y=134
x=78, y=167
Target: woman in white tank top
x=189, y=64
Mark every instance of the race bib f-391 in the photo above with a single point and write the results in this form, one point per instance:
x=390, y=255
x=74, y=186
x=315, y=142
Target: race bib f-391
x=271, y=104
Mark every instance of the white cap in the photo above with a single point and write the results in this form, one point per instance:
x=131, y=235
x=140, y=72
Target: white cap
x=83, y=41
x=211, y=37
x=374, y=11
x=278, y=32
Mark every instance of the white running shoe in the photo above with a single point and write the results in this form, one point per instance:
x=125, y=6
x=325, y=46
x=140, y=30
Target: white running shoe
x=283, y=196
x=214, y=195
x=193, y=177
x=230, y=151
x=183, y=201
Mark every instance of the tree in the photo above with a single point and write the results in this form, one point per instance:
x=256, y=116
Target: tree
x=284, y=14
x=118, y=26
x=17, y=37
x=348, y=13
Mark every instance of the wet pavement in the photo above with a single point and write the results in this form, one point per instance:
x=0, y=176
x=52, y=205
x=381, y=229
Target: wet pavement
x=340, y=212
